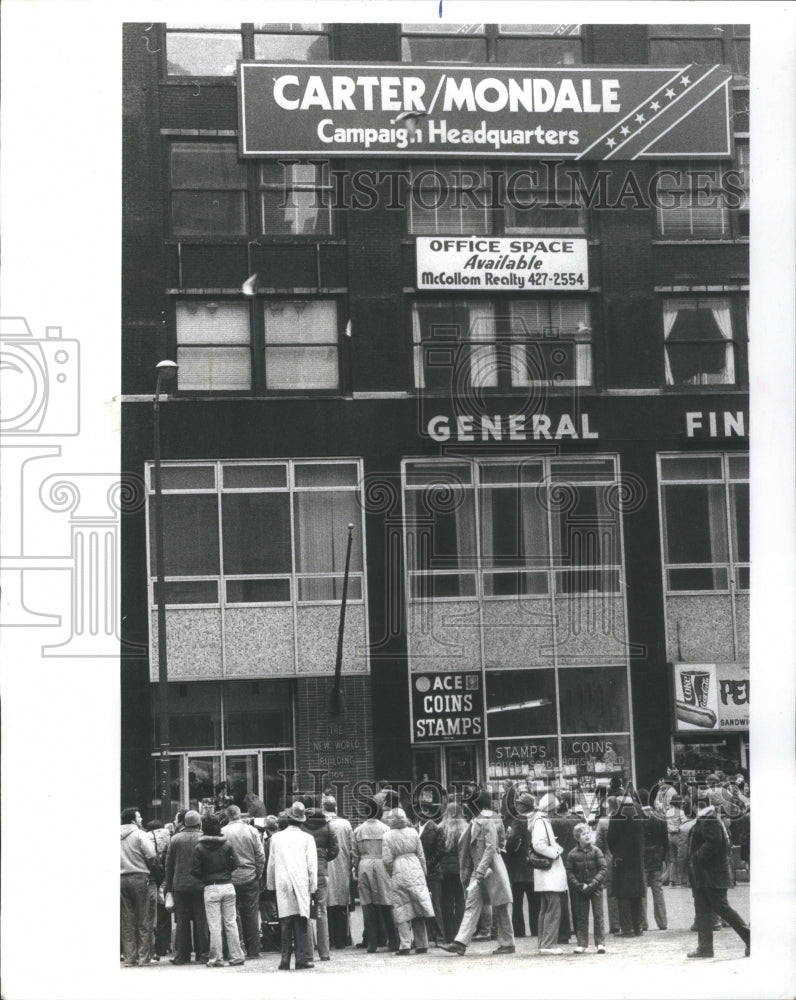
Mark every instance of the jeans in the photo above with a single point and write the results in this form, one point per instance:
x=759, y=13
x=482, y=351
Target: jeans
x=220, y=909
x=581, y=905
x=436, y=927
x=190, y=907
x=321, y=925
x=296, y=927
x=337, y=919
x=136, y=921
x=247, y=903
x=520, y=891
x=654, y=878
x=678, y=857
x=452, y=904
x=379, y=926
x=160, y=920
x=549, y=919
x=409, y=928
x=475, y=902
x=708, y=901
x=565, y=927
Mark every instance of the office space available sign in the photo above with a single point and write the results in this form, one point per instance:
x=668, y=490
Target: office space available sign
x=571, y=113
x=524, y=264
x=711, y=696
x=447, y=706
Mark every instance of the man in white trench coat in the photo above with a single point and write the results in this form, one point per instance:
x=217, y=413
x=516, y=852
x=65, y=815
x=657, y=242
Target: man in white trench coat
x=293, y=873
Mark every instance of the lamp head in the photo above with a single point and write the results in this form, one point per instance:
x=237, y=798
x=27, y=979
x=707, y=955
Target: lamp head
x=166, y=370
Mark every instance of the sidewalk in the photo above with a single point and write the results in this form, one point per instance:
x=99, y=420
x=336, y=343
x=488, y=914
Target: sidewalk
x=654, y=947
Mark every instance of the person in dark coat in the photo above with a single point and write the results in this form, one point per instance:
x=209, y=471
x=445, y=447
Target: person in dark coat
x=428, y=831
x=518, y=846
x=656, y=856
x=711, y=876
x=317, y=825
x=625, y=840
x=214, y=861
x=585, y=866
x=188, y=893
x=451, y=828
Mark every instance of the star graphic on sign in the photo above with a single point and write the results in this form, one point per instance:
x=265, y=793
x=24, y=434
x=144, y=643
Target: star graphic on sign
x=640, y=118
x=611, y=142
x=655, y=106
x=624, y=130
x=685, y=81
x=670, y=93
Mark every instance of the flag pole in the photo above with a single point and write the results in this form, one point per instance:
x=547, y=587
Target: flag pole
x=334, y=703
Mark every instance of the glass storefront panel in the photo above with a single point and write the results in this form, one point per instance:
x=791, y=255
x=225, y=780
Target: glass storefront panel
x=592, y=760
x=527, y=757
x=593, y=699
x=243, y=776
x=204, y=777
x=520, y=702
x=194, y=716
x=277, y=781
x=258, y=713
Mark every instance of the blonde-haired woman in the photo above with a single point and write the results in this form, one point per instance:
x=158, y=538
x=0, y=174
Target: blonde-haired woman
x=451, y=827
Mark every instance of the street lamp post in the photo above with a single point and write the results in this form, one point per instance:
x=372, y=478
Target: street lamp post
x=166, y=370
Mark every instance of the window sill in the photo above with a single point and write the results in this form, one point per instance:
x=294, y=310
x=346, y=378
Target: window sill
x=731, y=241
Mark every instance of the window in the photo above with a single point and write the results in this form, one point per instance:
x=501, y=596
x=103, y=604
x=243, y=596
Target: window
x=209, y=50
x=460, y=199
x=699, y=341
x=706, y=44
x=301, y=345
x=690, y=203
x=214, y=345
x=295, y=199
x=523, y=44
x=501, y=344
x=213, y=49
x=257, y=533
x=208, y=189
x=499, y=529
x=705, y=518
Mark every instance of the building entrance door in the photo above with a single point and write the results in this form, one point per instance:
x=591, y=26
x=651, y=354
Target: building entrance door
x=449, y=765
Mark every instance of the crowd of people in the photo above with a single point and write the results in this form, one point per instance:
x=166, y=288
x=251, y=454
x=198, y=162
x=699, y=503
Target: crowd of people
x=227, y=886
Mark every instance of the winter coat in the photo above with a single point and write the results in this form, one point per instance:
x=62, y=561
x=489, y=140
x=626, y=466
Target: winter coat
x=625, y=839
x=585, y=866
x=656, y=839
x=179, y=861
x=544, y=842
x=160, y=841
x=214, y=860
x=292, y=871
x=338, y=869
x=563, y=827
x=405, y=862
x=317, y=826
x=368, y=863
x=480, y=858
x=428, y=838
x=518, y=846
x=709, y=852
x=137, y=855
x=247, y=843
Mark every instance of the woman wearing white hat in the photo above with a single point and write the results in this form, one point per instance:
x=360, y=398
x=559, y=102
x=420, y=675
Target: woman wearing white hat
x=548, y=883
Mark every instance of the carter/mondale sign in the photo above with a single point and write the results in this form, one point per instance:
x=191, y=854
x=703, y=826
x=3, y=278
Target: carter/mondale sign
x=576, y=112
x=523, y=263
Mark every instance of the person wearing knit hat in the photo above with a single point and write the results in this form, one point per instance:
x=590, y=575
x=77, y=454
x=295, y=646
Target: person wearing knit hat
x=188, y=893
x=548, y=883
x=293, y=874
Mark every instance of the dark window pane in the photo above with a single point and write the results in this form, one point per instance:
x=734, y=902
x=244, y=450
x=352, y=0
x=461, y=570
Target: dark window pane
x=593, y=699
x=700, y=364
x=432, y=586
x=252, y=476
x=698, y=579
x=256, y=533
x=588, y=580
x=509, y=584
x=258, y=713
x=321, y=531
x=513, y=527
x=326, y=474
x=680, y=51
x=695, y=524
x=206, y=165
x=739, y=466
x=194, y=715
x=742, y=577
x=258, y=591
x=329, y=589
x=186, y=477
x=190, y=530
x=691, y=467
x=739, y=520
x=208, y=213
x=189, y=592
x=521, y=702
x=431, y=50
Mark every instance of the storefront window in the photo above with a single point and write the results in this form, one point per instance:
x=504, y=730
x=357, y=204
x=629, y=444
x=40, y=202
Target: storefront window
x=593, y=699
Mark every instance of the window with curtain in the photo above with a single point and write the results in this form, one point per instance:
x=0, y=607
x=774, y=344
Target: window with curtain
x=213, y=345
x=540, y=198
x=448, y=198
x=699, y=344
x=501, y=344
x=690, y=202
x=438, y=42
x=301, y=344
x=295, y=199
x=705, y=520
x=260, y=532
